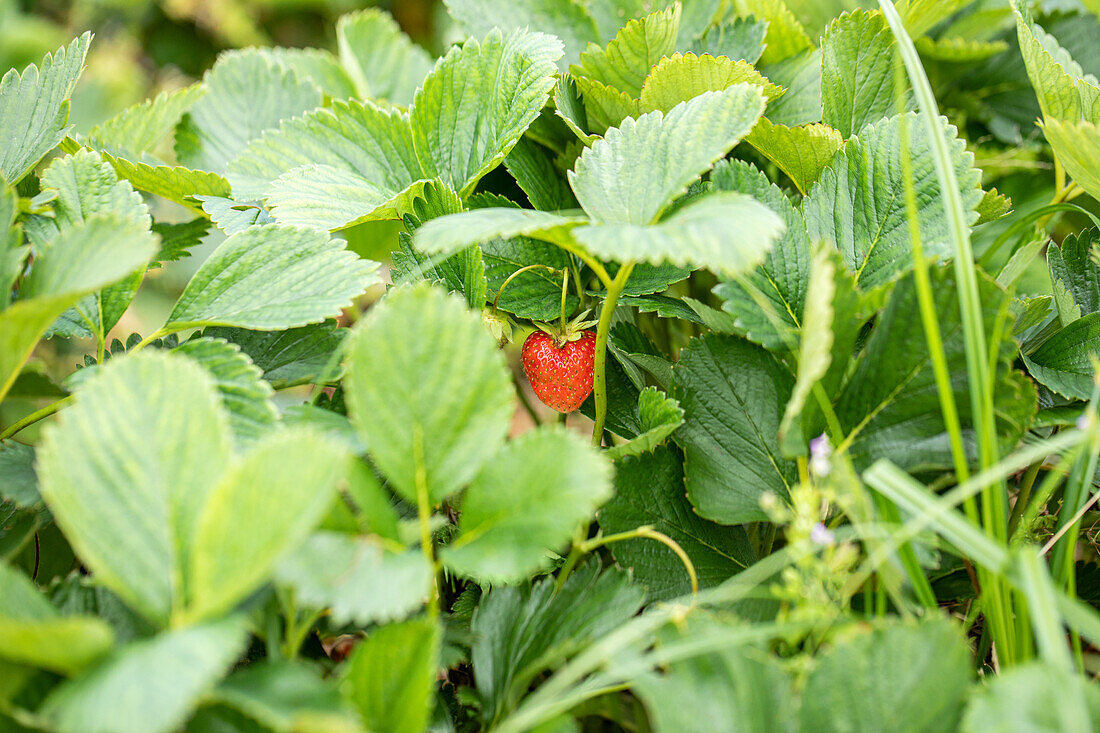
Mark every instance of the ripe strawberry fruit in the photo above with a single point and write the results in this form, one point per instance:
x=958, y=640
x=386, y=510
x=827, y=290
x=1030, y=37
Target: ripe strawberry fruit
x=560, y=368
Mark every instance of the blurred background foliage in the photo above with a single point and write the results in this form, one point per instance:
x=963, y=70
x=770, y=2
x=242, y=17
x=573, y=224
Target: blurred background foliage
x=143, y=47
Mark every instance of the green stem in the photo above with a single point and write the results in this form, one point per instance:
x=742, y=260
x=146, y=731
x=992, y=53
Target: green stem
x=424, y=513
x=1022, y=496
x=599, y=379
x=643, y=532
x=564, y=297
x=520, y=271
x=34, y=417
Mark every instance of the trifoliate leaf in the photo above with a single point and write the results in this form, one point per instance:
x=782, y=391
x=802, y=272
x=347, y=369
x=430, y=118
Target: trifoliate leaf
x=257, y=513
x=428, y=391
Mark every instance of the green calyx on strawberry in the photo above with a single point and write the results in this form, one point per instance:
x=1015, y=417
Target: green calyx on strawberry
x=560, y=363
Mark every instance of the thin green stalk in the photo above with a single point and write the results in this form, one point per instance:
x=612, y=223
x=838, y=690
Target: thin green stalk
x=424, y=514
x=1027, y=482
x=599, y=379
x=34, y=417
x=644, y=532
x=1078, y=487
x=994, y=500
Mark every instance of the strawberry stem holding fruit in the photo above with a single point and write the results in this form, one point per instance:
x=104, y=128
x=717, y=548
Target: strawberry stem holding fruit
x=567, y=362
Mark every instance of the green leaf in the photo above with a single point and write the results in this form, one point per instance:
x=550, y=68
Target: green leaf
x=1066, y=93
x=741, y=39
x=245, y=396
x=149, y=686
x=32, y=631
x=78, y=261
x=263, y=508
x=18, y=481
x=686, y=142
x=1071, y=262
x=326, y=198
x=140, y=129
x=427, y=389
x=649, y=490
x=700, y=234
x=569, y=20
x=858, y=58
x=786, y=37
x=801, y=76
x=533, y=167
x=636, y=49
x=779, y=282
x=535, y=294
x=272, y=278
x=83, y=186
x=454, y=232
x=658, y=417
x=126, y=471
x=177, y=239
x=528, y=499
x=741, y=689
x=34, y=108
x=680, y=77
x=382, y=61
x=284, y=696
x=390, y=677
x=233, y=216
x=461, y=131
x=175, y=183
x=732, y=394
x=916, y=674
x=921, y=16
x=959, y=50
x=294, y=356
x=521, y=631
x=1077, y=146
x=1063, y=363
x=889, y=407
x=1031, y=697
x=359, y=580
x=318, y=66
x=371, y=141
x=247, y=93
x=858, y=204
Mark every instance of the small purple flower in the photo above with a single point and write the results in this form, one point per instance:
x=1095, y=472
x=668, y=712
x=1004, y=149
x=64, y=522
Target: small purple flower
x=820, y=451
x=822, y=535
x=1084, y=421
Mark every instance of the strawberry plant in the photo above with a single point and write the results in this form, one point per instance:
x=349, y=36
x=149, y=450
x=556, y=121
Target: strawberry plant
x=808, y=294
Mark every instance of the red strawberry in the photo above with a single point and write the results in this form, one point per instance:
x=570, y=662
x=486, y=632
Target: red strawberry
x=560, y=370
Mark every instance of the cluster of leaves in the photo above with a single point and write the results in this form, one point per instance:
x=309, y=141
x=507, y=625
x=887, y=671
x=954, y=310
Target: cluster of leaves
x=796, y=353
